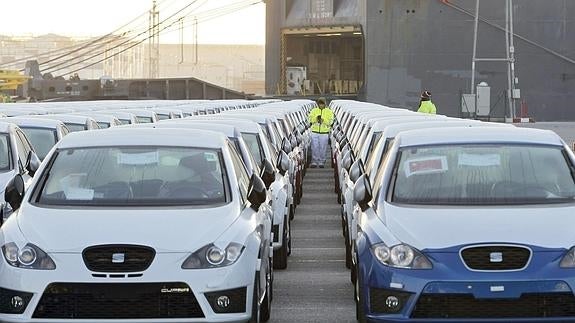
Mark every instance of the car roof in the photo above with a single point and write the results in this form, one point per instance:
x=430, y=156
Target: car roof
x=143, y=136
x=243, y=125
x=35, y=122
x=227, y=130
x=66, y=117
x=5, y=126
x=457, y=135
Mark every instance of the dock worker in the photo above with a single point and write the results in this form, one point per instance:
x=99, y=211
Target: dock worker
x=321, y=119
x=425, y=104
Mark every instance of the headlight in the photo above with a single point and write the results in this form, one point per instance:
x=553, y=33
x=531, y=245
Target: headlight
x=401, y=256
x=212, y=256
x=28, y=257
x=568, y=260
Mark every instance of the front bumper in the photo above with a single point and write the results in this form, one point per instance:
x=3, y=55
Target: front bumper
x=164, y=276
x=452, y=293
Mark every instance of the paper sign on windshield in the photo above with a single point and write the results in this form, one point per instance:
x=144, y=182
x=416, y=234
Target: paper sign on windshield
x=479, y=160
x=149, y=158
x=427, y=165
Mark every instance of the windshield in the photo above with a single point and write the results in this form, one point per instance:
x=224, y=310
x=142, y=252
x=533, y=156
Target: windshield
x=134, y=176
x=75, y=127
x=104, y=125
x=5, y=151
x=484, y=174
x=144, y=119
x=254, y=145
x=42, y=140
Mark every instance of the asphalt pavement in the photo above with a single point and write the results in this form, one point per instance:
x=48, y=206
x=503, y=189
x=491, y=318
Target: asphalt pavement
x=316, y=286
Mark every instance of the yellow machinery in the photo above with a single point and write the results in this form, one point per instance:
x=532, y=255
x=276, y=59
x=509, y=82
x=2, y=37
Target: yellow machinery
x=10, y=80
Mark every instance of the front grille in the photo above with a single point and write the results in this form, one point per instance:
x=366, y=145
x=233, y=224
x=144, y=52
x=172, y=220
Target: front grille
x=460, y=306
x=496, y=257
x=118, y=258
x=118, y=301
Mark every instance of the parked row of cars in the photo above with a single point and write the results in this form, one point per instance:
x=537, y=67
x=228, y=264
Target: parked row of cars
x=182, y=218
x=454, y=220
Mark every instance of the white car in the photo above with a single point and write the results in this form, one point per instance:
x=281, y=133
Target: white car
x=161, y=225
x=43, y=134
x=17, y=159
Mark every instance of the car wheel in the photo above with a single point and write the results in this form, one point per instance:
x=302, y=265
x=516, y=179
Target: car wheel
x=291, y=212
x=280, y=255
x=353, y=272
x=338, y=198
x=266, y=306
x=360, y=304
x=260, y=312
x=256, y=308
x=289, y=238
x=347, y=252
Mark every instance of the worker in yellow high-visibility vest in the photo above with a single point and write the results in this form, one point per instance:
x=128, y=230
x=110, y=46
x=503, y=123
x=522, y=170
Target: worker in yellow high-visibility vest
x=321, y=119
x=425, y=105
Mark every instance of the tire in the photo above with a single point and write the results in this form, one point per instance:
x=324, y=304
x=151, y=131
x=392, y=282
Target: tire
x=347, y=252
x=291, y=212
x=280, y=255
x=360, y=304
x=260, y=312
x=256, y=309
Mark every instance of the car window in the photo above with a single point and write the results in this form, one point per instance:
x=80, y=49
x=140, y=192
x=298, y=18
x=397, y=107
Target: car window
x=22, y=151
x=142, y=119
x=125, y=121
x=5, y=153
x=254, y=145
x=42, y=139
x=75, y=127
x=134, y=176
x=484, y=174
x=104, y=125
x=163, y=116
x=241, y=173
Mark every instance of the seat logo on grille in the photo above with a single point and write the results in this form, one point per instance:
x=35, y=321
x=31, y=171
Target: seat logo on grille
x=496, y=257
x=118, y=258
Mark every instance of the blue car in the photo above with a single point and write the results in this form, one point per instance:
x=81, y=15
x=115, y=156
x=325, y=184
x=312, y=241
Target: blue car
x=468, y=225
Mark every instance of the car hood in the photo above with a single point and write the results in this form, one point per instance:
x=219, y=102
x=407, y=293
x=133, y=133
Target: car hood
x=426, y=227
x=165, y=230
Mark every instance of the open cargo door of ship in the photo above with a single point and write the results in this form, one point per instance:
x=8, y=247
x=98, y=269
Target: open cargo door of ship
x=332, y=56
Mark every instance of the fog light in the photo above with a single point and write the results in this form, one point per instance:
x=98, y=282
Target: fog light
x=392, y=302
x=17, y=302
x=223, y=301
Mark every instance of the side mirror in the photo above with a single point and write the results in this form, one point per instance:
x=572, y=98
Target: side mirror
x=299, y=138
x=283, y=162
x=347, y=160
x=573, y=146
x=32, y=163
x=14, y=193
x=362, y=192
x=257, y=192
x=293, y=141
x=268, y=173
x=286, y=146
x=356, y=170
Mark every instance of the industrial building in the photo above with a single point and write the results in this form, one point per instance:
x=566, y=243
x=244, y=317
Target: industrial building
x=388, y=51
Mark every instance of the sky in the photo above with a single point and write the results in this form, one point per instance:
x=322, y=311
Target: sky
x=84, y=18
